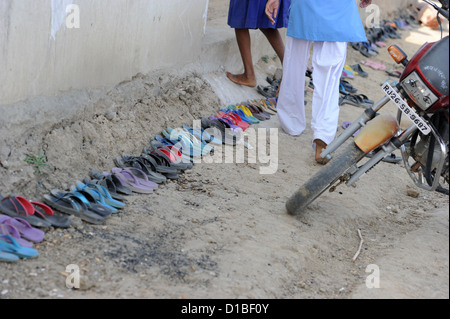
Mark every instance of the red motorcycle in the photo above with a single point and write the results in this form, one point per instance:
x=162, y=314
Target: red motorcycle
x=422, y=96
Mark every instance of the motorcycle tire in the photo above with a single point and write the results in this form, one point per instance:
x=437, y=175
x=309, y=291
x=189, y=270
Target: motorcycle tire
x=324, y=179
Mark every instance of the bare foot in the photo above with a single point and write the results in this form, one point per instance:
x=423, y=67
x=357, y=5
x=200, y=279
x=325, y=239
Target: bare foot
x=320, y=146
x=278, y=90
x=241, y=79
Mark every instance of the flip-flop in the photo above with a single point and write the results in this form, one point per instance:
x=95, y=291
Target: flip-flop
x=374, y=47
x=220, y=130
x=242, y=108
x=9, y=230
x=359, y=100
x=177, y=160
x=100, y=194
x=174, y=155
x=125, y=161
x=7, y=257
x=395, y=74
x=247, y=116
x=13, y=207
x=69, y=204
x=235, y=118
x=228, y=124
x=187, y=152
x=360, y=70
x=392, y=159
x=374, y=65
x=258, y=113
x=391, y=82
x=162, y=160
x=109, y=186
x=10, y=245
x=203, y=135
x=262, y=107
x=46, y=213
x=93, y=201
x=203, y=147
x=346, y=87
x=189, y=147
x=134, y=179
x=350, y=70
x=370, y=50
x=364, y=48
x=111, y=181
x=271, y=104
x=267, y=91
x=165, y=158
x=25, y=230
x=346, y=124
x=148, y=164
x=348, y=74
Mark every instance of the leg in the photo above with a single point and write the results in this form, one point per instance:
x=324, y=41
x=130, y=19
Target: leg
x=291, y=101
x=276, y=41
x=328, y=62
x=248, y=78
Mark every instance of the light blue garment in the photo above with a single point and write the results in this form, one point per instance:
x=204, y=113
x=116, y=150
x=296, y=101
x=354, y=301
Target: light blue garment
x=326, y=20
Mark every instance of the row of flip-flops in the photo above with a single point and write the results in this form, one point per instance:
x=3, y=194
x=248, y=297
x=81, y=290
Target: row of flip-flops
x=97, y=198
x=348, y=93
x=20, y=223
x=169, y=154
x=377, y=37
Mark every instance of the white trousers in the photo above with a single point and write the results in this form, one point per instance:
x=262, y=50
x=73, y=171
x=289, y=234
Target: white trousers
x=328, y=60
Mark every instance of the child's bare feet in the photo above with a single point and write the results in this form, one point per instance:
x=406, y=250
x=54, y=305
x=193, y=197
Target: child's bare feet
x=242, y=79
x=320, y=146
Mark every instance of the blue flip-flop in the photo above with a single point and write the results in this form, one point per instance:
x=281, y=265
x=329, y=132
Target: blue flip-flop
x=67, y=203
x=8, y=257
x=101, y=195
x=195, y=146
x=183, y=144
x=207, y=136
x=204, y=136
x=10, y=245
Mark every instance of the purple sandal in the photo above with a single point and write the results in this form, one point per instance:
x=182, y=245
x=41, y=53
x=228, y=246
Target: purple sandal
x=24, y=228
x=135, y=179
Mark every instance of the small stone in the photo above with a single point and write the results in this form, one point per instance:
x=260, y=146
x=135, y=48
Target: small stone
x=412, y=193
x=85, y=283
x=110, y=116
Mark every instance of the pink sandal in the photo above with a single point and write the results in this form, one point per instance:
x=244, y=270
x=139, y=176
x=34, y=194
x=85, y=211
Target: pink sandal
x=374, y=65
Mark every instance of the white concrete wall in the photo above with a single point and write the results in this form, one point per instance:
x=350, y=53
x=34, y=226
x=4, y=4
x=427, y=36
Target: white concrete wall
x=116, y=40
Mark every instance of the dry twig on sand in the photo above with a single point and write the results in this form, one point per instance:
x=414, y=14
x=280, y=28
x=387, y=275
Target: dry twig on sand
x=360, y=245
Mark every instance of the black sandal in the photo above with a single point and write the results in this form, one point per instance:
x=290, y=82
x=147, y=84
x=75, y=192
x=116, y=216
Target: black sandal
x=267, y=91
x=111, y=182
x=359, y=100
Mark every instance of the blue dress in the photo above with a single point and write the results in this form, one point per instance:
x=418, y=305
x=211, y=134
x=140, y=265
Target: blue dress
x=250, y=14
x=326, y=20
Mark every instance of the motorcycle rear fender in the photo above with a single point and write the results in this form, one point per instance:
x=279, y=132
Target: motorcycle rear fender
x=377, y=132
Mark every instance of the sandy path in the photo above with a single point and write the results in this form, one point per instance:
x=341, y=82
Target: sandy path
x=221, y=230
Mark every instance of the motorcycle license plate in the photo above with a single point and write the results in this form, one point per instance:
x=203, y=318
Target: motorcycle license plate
x=406, y=109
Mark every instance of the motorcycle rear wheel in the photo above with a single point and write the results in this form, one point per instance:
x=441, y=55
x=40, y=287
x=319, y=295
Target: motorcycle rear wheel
x=324, y=179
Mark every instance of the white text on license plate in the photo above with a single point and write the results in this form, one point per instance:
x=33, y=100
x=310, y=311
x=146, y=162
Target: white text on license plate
x=406, y=109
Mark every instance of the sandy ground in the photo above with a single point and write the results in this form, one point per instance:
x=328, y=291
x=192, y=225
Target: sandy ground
x=221, y=230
